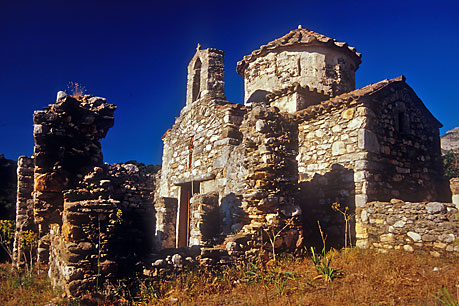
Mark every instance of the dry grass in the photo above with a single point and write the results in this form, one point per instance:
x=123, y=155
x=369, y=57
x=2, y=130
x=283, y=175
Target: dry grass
x=24, y=289
x=367, y=278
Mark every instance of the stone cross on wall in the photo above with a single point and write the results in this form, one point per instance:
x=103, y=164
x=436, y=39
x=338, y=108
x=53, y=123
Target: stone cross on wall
x=190, y=156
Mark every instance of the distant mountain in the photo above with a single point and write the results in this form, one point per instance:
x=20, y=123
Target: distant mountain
x=450, y=141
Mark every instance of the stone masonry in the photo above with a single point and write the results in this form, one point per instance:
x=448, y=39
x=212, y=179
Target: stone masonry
x=425, y=226
x=24, y=207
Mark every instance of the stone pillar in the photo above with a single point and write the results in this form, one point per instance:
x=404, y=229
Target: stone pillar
x=166, y=220
x=271, y=143
x=67, y=146
x=81, y=258
x=454, y=185
x=24, y=205
x=204, y=218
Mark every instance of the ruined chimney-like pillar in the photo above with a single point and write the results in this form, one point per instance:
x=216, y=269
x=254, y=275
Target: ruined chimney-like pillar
x=67, y=146
x=24, y=206
x=454, y=185
x=166, y=220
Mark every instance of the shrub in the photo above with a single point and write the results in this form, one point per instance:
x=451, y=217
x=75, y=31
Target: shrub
x=451, y=164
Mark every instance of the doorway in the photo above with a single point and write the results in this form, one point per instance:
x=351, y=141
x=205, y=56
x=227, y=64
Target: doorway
x=183, y=220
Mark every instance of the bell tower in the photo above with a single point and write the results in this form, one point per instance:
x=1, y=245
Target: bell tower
x=206, y=75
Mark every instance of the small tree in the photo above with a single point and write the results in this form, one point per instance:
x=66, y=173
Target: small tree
x=451, y=164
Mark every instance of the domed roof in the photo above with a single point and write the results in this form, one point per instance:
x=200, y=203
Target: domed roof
x=298, y=37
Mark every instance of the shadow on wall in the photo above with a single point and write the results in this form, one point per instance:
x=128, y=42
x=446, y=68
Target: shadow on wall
x=258, y=96
x=232, y=215
x=131, y=241
x=316, y=197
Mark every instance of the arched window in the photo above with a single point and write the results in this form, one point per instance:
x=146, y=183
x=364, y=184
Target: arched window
x=196, y=89
x=402, y=120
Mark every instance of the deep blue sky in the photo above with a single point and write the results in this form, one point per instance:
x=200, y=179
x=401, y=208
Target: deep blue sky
x=135, y=54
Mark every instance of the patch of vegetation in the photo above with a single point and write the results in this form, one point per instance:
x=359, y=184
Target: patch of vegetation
x=24, y=288
x=451, y=164
x=149, y=168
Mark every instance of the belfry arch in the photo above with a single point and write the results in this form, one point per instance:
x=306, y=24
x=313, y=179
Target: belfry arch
x=196, y=89
x=206, y=75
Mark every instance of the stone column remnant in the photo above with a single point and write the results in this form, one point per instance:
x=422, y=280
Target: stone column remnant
x=454, y=185
x=67, y=146
x=24, y=205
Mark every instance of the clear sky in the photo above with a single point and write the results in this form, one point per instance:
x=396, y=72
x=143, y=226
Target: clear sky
x=135, y=53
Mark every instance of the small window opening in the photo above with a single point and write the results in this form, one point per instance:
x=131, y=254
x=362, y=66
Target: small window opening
x=196, y=89
x=402, y=124
x=401, y=118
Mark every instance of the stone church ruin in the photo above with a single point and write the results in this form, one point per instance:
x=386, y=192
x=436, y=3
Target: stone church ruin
x=303, y=139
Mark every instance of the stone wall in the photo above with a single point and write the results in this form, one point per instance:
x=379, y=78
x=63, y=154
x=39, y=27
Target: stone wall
x=205, y=219
x=406, y=161
x=80, y=254
x=107, y=228
x=331, y=161
x=24, y=206
x=197, y=158
x=426, y=226
x=95, y=221
x=245, y=155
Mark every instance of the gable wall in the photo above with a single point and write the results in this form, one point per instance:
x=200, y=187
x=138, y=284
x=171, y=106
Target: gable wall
x=213, y=125
x=406, y=161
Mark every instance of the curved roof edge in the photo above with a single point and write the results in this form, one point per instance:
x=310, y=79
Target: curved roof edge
x=298, y=37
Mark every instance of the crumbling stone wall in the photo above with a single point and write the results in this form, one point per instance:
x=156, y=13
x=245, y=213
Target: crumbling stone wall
x=427, y=226
x=24, y=206
x=269, y=148
x=107, y=227
x=95, y=221
x=67, y=146
x=205, y=219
